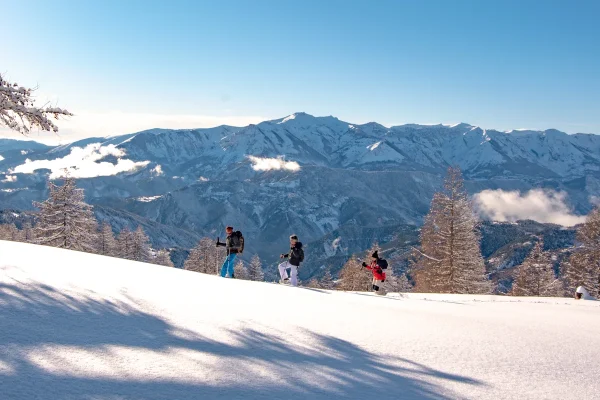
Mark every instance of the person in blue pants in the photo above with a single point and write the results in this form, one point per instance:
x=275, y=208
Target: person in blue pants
x=234, y=243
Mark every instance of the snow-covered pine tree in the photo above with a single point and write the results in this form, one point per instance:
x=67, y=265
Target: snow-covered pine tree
x=240, y=271
x=125, y=244
x=450, y=260
x=535, y=277
x=583, y=267
x=106, y=243
x=255, y=271
x=65, y=220
x=204, y=258
x=18, y=111
x=353, y=277
x=163, y=257
x=326, y=281
x=141, y=246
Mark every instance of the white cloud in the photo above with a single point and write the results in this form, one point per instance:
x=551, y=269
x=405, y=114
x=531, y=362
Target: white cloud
x=9, y=178
x=148, y=199
x=1, y=158
x=101, y=124
x=268, y=164
x=538, y=205
x=157, y=171
x=82, y=163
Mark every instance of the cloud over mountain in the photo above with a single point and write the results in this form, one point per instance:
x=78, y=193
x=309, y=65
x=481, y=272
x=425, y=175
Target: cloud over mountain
x=537, y=204
x=84, y=163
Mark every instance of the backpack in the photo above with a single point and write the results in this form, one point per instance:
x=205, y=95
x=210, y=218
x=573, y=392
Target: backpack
x=300, y=251
x=237, y=241
x=383, y=264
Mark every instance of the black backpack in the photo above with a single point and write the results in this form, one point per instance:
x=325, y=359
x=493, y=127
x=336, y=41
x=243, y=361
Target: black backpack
x=383, y=264
x=300, y=251
x=237, y=241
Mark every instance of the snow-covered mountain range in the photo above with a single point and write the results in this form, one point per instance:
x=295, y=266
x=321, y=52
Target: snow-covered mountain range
x=299, y=174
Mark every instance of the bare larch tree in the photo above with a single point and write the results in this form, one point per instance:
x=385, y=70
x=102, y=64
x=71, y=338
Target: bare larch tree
x=19, y=112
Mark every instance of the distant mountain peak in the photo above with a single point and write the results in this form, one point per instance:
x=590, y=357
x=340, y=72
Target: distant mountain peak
x=295, y=116
x=459, y=125
x=305, y=118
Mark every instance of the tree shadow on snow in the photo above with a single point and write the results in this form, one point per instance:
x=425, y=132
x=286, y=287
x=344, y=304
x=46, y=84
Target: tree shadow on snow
x=37, y=319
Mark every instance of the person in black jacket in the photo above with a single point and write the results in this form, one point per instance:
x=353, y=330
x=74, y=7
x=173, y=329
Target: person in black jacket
x=294, y=258
x=234, y=243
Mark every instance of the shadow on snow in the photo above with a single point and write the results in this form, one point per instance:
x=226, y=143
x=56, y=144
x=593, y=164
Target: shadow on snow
x=37, y=316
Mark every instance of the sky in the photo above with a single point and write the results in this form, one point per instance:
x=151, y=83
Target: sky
x=124, y=66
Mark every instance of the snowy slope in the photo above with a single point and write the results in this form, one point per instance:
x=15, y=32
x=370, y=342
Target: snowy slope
x=80, y=326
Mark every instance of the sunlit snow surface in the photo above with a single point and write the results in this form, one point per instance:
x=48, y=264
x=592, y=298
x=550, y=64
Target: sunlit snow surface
x=80, y=326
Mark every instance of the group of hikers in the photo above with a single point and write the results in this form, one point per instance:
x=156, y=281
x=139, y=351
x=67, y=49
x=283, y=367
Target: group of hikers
x=234, y=243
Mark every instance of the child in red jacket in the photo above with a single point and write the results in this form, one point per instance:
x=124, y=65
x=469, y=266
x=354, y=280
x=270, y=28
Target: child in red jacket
x=378, y=274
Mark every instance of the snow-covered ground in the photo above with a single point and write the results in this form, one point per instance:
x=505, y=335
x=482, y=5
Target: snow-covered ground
x=79, y=326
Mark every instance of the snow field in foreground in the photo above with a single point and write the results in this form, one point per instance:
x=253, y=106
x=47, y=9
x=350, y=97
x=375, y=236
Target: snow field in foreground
x=80, y=326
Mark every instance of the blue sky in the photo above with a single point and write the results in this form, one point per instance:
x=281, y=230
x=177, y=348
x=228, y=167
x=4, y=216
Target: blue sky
x=128, y=65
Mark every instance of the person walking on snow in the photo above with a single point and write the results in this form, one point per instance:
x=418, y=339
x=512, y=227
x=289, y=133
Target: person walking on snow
x=378, y=274
x=582, y=293
x=294, y=258
x=234, y=243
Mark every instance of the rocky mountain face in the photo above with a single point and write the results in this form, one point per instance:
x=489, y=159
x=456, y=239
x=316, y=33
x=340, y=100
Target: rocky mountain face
x=317, y=177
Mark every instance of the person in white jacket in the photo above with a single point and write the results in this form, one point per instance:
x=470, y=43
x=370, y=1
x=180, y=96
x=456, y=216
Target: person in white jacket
x=294, y=258
x=582, y=293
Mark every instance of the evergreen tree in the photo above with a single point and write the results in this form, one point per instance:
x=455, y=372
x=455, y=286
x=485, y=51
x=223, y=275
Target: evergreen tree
x=125, y=244
x=106, y=243
x=163, y=257
x=205, y=258
x=353, y=277
x=583, y=268
x=65, y=220
x=327, y=281
x=450, y=258
x=535, y=277
x=255, y=272
x=141, y=246
x=240, y=271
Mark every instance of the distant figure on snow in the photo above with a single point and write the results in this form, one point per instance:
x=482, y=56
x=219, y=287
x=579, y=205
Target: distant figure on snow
x=377, y=266
x=582, y=293
x=294, y=258
x=234, y=243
